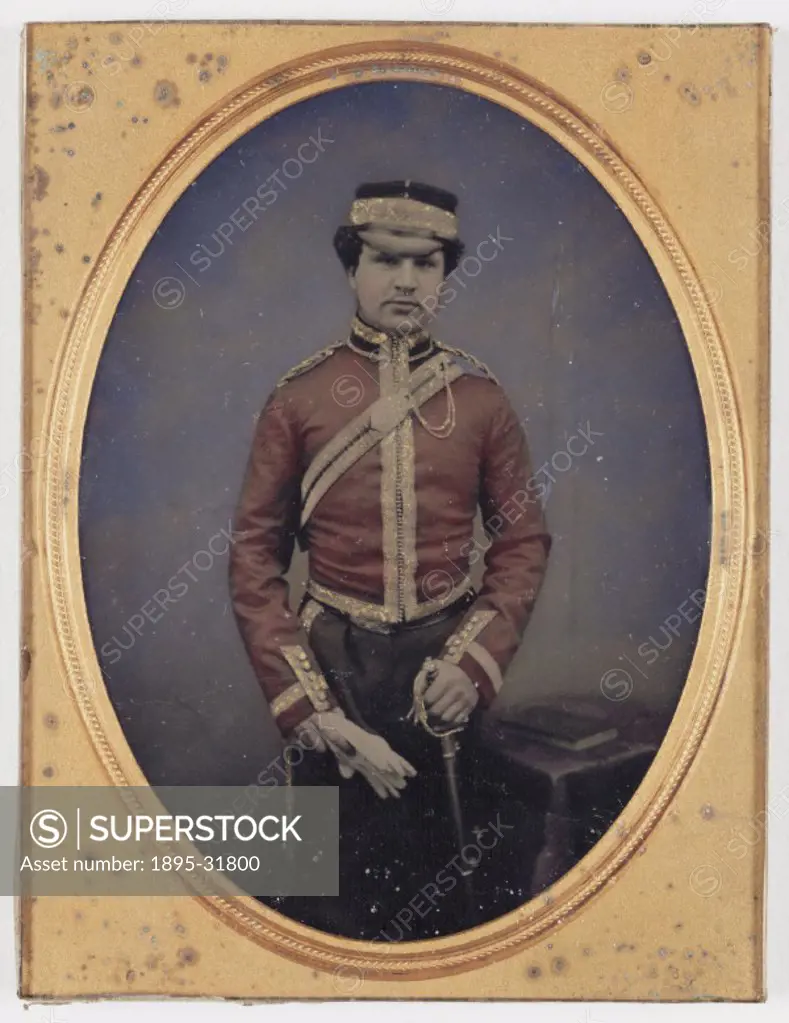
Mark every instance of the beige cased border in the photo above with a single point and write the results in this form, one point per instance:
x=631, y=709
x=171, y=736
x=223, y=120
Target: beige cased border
x=57, y=535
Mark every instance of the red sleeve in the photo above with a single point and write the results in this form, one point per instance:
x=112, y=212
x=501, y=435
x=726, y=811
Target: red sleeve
x=515, y=560
x=264, y=536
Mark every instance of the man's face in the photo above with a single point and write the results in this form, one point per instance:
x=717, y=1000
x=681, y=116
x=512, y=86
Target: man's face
x=396, y=273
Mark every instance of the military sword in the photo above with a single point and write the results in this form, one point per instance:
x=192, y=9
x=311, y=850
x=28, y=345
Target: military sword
x=450, y=746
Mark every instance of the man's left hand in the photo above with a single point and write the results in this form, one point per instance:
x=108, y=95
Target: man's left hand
x=452, y=695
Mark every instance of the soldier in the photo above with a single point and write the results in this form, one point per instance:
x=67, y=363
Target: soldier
x=375, y=454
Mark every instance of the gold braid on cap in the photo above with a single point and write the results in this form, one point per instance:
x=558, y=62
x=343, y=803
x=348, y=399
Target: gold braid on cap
x=398, y=212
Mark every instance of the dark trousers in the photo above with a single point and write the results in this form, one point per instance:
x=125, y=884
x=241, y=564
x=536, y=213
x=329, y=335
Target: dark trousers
x=401, y=874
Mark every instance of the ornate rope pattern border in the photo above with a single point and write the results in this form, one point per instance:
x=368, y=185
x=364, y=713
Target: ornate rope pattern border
x=338, y=64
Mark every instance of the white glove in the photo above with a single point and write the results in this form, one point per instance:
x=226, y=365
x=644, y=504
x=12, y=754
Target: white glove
x=374, y=758
x=358, y=750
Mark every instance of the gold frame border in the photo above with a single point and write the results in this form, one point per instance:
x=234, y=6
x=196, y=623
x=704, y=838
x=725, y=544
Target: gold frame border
x=67, y=408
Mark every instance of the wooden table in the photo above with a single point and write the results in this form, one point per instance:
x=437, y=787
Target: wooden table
x=572, y=797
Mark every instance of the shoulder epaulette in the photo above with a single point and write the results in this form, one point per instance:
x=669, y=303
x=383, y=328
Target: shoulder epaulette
x=310, y=362
x=472, y=360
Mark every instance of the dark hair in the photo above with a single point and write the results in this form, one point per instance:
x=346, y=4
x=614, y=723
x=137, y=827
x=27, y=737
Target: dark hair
x=348, y=246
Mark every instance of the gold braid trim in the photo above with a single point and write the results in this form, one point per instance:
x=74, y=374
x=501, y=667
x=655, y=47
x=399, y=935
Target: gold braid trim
x=402, y=212
x=312, y=360
x=287, y=699
x=380, y=337
x=366, y=615
x=309, y=613
x=311, y=679
x=459, y=642
x=477, y=363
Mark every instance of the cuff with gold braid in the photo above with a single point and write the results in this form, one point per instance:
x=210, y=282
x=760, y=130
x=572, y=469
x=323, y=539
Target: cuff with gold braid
x=309, y=692
x=463, y=649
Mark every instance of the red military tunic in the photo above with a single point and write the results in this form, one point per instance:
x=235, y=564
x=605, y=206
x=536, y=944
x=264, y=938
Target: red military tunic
x=391, y=539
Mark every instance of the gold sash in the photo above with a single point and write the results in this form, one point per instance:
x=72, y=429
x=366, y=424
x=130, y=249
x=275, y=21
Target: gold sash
x=370, y=427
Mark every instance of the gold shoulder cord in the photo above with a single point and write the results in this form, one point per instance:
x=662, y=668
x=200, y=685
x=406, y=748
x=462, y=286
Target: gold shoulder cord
x=310, y=361
x=450, y=419
x=475, y=362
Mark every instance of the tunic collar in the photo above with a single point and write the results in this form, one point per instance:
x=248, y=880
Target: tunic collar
x=368, y=340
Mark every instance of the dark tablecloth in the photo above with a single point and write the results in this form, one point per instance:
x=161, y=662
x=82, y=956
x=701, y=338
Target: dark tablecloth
x=561, y=802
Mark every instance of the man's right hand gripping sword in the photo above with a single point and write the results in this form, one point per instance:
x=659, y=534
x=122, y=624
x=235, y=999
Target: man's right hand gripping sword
x=356, y=750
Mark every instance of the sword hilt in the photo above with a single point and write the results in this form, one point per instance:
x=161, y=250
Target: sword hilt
x=422, y=715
